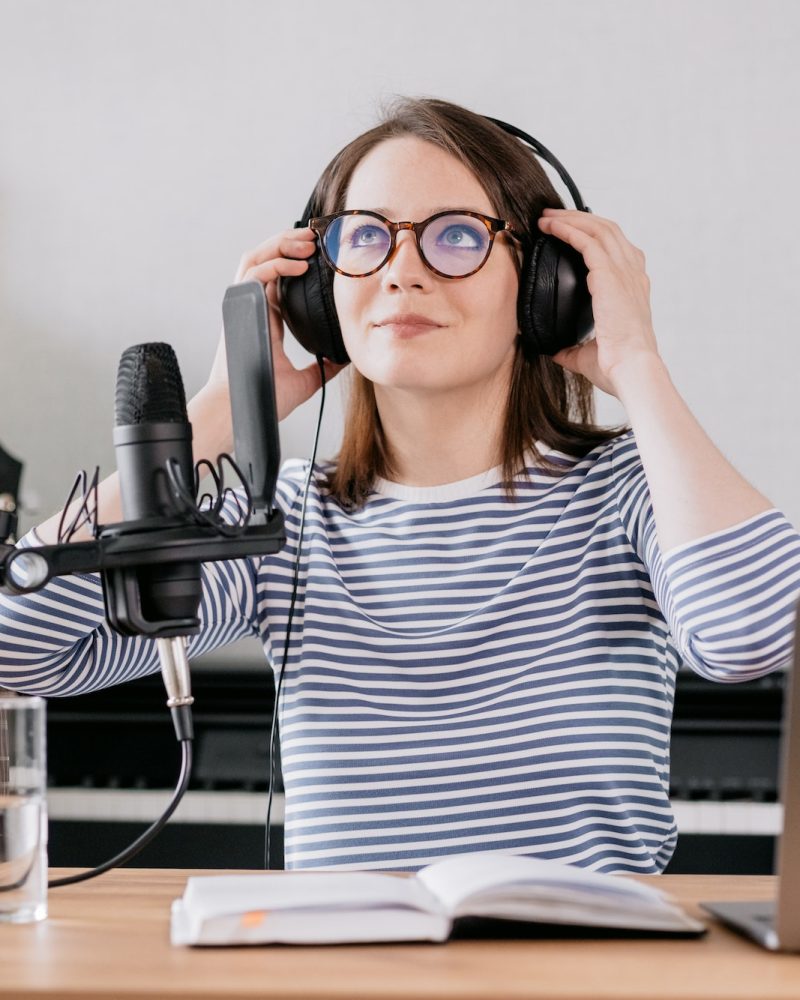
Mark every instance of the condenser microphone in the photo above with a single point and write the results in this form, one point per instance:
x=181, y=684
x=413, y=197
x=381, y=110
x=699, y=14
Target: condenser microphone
x=153, y=444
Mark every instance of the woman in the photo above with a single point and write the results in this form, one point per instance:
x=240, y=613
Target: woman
x=494, y=595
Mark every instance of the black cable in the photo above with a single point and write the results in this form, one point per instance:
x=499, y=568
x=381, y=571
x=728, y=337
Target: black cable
x=84, y=514
x=321, y=364
x=142, y=841
x=212, y=518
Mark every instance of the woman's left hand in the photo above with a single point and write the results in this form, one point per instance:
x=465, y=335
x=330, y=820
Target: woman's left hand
x=620, y=290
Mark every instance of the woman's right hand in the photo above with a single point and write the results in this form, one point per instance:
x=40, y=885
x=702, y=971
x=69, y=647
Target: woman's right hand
x=284, y=255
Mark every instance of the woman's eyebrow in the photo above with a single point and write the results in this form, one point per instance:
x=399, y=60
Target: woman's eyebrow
x=434, y=211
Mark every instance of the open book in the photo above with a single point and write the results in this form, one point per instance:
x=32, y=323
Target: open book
x=319, y=907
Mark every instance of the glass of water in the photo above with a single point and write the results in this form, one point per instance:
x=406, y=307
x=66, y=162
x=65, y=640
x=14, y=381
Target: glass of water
x=23, y=814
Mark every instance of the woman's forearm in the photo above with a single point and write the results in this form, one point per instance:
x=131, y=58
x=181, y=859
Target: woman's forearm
x=694, y=488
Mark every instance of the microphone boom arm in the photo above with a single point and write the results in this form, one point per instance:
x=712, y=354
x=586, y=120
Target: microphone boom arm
x=122, y=546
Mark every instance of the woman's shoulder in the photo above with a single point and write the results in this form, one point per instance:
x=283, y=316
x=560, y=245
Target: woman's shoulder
x=613, y=455
x=292, y=477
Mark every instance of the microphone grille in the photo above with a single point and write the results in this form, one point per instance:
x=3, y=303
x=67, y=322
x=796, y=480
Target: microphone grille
x=149, y=386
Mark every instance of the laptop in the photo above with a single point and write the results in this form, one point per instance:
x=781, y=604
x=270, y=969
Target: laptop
x=776, y=924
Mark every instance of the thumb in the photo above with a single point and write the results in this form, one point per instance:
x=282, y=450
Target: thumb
x=580, y=359
x=311, y=373
x=331, y=368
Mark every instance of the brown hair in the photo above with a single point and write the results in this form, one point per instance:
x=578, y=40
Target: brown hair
x=546, y=403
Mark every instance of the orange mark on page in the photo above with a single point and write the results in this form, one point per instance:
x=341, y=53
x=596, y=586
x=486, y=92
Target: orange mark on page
x=255, y=918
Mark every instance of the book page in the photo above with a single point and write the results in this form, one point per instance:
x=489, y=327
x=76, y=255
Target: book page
x=214, y=895
x=494, y=876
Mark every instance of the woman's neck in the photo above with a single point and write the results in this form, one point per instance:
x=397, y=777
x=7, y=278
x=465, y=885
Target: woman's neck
x=443, y=437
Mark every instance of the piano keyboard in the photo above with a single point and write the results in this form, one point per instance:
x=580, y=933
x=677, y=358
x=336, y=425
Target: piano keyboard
x=250, y=809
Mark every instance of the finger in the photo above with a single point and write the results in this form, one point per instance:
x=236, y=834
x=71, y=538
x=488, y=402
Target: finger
x=331, y=369
x=273, y=269
x=595, y=253
x=276, y=328
x=269, y=248
x=606, y=231
x=291, y=243
x=599, y=253
x=310, y=375
x=598, y=229
x=565, y=357
x=276, y=311
x=273, y=298
x=288, y=248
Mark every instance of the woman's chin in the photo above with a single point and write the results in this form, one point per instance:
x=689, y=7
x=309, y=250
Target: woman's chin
x=406, y=373
x=401, y=369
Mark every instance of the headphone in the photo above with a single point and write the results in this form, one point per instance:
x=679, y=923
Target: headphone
x=554, y=305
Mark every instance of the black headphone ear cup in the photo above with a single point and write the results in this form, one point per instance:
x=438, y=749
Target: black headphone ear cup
x=554, y=308
x=309, y=310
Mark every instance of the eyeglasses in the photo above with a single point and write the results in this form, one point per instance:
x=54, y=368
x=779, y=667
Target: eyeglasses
x=452, y=244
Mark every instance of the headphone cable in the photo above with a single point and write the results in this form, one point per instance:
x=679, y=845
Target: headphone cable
x=295, y=580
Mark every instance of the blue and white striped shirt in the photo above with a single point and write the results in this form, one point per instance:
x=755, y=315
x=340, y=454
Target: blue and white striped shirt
x=467, y=672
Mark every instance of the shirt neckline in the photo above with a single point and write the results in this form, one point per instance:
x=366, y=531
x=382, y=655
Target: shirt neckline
x=458, y=490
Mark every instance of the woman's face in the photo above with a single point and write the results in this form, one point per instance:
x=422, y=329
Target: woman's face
x=472, y=341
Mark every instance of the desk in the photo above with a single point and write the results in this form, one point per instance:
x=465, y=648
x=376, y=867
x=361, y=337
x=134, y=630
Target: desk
x=109, y=938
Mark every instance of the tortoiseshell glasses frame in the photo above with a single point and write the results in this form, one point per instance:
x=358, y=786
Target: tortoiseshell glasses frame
x=493, y=226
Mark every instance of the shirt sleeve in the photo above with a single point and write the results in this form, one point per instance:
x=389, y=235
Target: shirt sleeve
x=56, y=641
x=729, y=598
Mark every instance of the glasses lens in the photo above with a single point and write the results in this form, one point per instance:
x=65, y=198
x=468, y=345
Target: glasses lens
x=456, y=244
x=357, y=244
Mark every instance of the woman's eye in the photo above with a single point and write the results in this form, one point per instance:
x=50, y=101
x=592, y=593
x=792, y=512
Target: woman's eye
x=461, y=236
x=367, y=236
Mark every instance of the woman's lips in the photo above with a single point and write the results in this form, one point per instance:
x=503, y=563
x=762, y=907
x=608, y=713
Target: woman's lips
x=408, y=325
x=406, y=330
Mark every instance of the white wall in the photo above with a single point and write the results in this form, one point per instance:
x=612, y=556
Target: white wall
x=144, y=146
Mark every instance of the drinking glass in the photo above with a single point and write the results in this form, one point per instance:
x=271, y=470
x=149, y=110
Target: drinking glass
x=23, y=811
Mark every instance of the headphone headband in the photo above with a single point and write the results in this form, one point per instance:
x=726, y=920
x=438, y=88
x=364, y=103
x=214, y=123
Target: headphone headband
x=545, y=154
x=537, y=147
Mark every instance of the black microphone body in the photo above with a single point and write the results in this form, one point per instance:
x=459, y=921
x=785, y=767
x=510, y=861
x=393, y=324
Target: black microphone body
x=152, y=431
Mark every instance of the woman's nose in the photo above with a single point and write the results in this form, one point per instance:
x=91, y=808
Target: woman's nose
x=405, y=267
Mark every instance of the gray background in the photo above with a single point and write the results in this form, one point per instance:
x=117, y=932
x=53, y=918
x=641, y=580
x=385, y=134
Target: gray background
x=145, y=146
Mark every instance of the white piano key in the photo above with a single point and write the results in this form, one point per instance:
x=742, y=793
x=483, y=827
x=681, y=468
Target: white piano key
x=735, y=818
x=768, y=820
x=131, y=805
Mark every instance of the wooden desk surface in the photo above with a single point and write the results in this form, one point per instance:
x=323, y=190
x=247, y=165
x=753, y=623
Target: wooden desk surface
x=109, y=937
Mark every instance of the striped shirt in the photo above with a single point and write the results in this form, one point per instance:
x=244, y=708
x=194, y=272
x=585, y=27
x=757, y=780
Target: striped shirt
x=466, y=672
